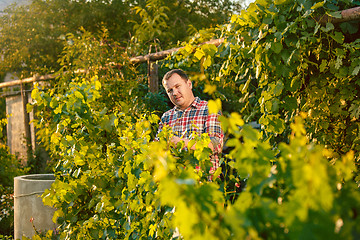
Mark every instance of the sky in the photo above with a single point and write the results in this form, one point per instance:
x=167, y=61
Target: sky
x=5, y=3
x=246, y=1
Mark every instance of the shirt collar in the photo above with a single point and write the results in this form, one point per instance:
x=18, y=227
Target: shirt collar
x=194, y=104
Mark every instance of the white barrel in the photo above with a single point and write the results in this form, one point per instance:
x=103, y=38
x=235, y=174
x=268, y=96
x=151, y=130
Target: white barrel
x=28, y=206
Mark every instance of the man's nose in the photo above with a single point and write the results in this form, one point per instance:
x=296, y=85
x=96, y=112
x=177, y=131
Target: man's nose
x=175, y=92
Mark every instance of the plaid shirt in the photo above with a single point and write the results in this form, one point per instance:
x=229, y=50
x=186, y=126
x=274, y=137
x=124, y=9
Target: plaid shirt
x=195, y=119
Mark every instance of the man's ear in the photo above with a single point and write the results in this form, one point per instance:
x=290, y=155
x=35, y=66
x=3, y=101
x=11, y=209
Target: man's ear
x=189, y=83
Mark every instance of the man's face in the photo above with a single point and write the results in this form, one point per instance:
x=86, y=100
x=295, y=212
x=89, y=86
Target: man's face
x=179, y=91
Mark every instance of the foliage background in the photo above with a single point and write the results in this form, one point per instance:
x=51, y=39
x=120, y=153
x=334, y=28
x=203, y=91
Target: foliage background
x=33, y=35
x=61, y=36
x=277, y=66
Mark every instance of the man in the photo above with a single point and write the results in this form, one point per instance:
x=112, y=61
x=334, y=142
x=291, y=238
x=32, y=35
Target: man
x=190, y=114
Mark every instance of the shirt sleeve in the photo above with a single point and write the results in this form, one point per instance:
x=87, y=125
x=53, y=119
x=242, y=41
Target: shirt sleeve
x=213, y=128
x=160, y=128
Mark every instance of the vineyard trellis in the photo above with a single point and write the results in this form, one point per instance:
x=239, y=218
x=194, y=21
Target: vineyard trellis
x=346, y=15
x=150, y=59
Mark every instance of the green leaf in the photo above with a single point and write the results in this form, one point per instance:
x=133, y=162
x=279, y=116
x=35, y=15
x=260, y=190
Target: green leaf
x=250, y=133
x=265, y=183
x=209, y=49
x=335, y=14
x=348, y=27
x=329, y=27
x=290, y=103
x=276, y=47
x=356, y=70
x=285, y=55
x=79, y=95
x=354, y=111
x=274, y=123
x=275, y=104
x=268, y=19
x=323, y=65
x=244, y=87
x=278, y=88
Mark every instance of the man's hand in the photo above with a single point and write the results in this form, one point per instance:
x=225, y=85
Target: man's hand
x=175, y=140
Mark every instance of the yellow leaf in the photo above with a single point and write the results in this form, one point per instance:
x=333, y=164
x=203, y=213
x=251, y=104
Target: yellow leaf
x=207, y=62
x=78, y=161
x=58, y=213
x=303, y=114
x=217, y=172
x=317, y=5
x=160, y=172
x=258, y=71
x=97, y=85
x=214, y=106
x=199, y=54
x=188, y=48
x=236, y=118
x=55, y=138
x=210, y=88
x=152, y=229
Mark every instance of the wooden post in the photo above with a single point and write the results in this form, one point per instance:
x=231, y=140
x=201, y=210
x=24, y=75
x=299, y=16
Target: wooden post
x=25, y=101
x=153, y=78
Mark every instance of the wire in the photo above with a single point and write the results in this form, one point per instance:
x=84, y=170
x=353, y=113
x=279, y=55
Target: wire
x=29, y=194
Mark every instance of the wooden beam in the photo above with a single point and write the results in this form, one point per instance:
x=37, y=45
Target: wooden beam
x=164, y=54
x=26, y=80
x=133, y=60
x=346, y=16
x=33, y=79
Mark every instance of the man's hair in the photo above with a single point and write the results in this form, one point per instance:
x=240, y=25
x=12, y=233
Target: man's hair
x=179, y=72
